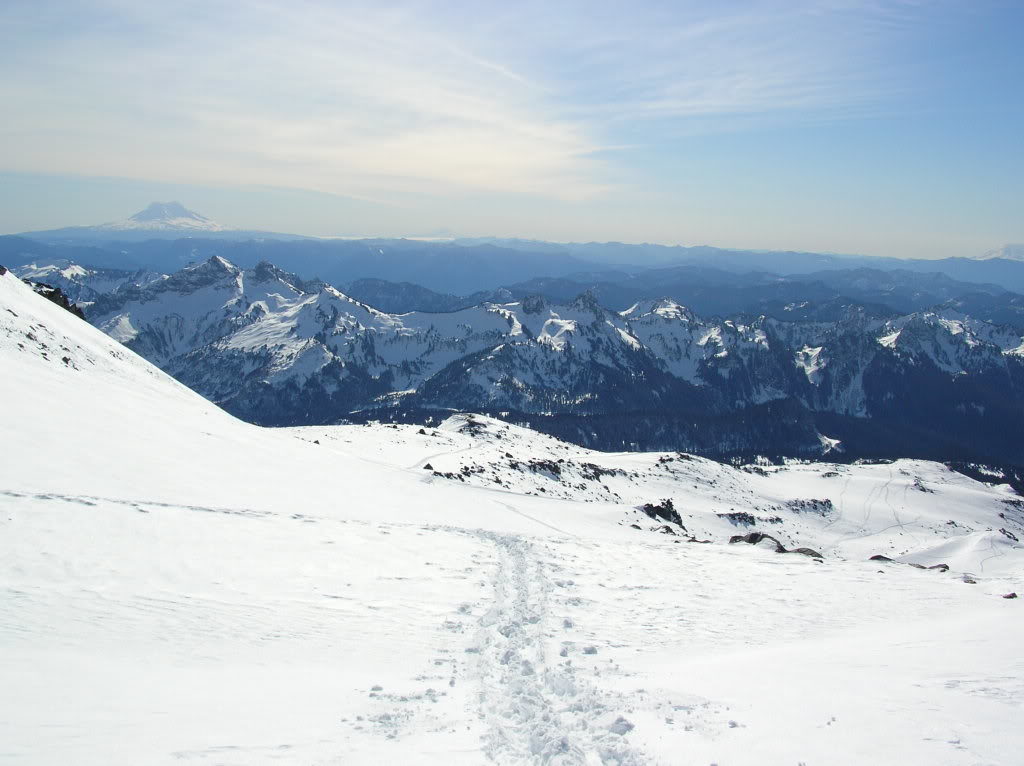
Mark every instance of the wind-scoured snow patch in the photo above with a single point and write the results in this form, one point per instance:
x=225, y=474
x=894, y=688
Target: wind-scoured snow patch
x=554, y=332
x=828, y=444
x=628, y=339
x=712, y=336
x=889, y=340
x=669, y=309
x=120, y=328
x=811, y=362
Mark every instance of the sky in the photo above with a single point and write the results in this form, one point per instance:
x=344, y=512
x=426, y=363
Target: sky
x=855, y=126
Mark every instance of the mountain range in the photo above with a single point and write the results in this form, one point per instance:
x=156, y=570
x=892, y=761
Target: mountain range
x=166, y=236
x=278, y=350
x=822, y=295
x=693, y=349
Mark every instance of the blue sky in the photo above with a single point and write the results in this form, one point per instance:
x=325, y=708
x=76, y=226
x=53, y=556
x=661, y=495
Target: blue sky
x=888, y=128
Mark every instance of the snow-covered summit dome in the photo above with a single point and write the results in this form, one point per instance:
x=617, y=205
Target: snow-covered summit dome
x=166, y=216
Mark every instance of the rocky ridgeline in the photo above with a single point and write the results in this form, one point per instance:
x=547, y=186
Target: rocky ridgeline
x=277, y=350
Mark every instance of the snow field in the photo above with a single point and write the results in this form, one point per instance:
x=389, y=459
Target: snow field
x=902, y=510
x=178, y=586
x=190, y=635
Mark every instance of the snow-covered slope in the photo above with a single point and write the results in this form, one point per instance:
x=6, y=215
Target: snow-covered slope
x=180, y=586
x=898, y=509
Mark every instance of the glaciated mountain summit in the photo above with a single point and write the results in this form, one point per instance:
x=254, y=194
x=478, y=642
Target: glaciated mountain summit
x=277, y=350
x=1006, y=252
x=158, y=221
x=165, y=216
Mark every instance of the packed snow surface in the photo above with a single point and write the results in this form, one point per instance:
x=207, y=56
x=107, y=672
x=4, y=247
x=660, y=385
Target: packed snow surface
x=177, y=586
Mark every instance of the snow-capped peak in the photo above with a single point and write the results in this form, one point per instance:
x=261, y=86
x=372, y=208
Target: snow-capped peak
x=1006, y=253
x=205, y=272
x=166, y=216
x=666, y=308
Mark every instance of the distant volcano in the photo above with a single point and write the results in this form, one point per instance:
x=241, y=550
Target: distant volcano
x=165, y=216
x=160, y=220
x=1006, y=252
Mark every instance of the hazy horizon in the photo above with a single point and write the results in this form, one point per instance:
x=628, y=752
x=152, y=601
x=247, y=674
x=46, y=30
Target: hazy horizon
x=843, y=126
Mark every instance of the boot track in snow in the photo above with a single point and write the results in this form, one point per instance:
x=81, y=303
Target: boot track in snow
x=537, y=712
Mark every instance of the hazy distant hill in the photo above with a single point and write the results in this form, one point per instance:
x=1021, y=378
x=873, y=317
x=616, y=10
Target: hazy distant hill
x=166, y=237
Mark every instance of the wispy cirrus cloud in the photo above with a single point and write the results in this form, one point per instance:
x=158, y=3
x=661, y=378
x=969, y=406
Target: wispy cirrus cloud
x=367, y=99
